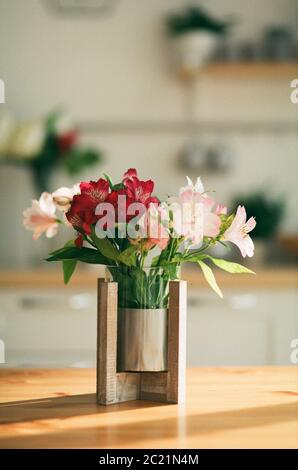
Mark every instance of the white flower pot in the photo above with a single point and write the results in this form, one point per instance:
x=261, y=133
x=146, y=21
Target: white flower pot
x=194, y=49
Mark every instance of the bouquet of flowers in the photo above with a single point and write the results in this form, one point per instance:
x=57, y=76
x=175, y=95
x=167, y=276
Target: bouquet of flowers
x=143, y=241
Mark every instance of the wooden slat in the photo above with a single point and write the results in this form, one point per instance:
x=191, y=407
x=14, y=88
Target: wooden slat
x=154, y=386
x=128, y=386
x=107, y=342
x=176, y=342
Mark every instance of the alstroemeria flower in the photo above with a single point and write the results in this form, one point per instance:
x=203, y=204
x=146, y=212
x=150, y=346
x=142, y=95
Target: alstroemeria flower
x=96, y=191
x=238, y=231
x=158, y=231
x=40, y=217
x=63, y=197
x=137, y=190
x=221, y=209
x=197, y=219
x=81, y=213
x=130, y=174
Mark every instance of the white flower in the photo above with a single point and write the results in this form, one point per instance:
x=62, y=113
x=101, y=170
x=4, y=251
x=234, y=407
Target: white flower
x=27, y=139
x=63, y=197
x=238, y=232
x=192, y=213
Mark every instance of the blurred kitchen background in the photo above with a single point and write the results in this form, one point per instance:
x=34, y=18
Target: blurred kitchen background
x=172, y=88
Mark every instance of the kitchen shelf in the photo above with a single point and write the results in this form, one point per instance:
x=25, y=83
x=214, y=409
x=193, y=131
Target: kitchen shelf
x=240, y=70
x=266, y=277
x=184, y=126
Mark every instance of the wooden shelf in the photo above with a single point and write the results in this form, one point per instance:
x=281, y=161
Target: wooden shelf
x=266, y=277
x=249, y=70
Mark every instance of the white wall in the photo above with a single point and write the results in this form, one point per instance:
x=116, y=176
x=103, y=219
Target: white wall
x=116, y=68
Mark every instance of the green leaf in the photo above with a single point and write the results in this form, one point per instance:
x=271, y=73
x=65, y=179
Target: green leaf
x=118, y=186
x=114, y=187
x=233, y=268
x=104, y=246
x=155, y=261
x=69, y=265
x=86, y=255
x=209, y=276
x=109, y=180
x=128, y=256
x=193, y=258
x=172, y=270
x=76, y=159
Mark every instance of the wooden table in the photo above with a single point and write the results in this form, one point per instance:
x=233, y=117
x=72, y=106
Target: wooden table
x=225, y=408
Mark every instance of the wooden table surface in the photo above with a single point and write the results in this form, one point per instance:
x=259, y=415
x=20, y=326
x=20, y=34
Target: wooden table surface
x=225, y=408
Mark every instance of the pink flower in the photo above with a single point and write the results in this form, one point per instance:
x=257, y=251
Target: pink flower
x=154, y=224
x=158, y=226
x=63, y=197
x=197, y=219
x=40, y=217
x=221, y=209
x=238, y=231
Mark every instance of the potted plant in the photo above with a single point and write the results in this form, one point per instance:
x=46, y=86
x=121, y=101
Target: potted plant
x=142, y=241
x=195, y=33
x=269, y=213
x=43, y=144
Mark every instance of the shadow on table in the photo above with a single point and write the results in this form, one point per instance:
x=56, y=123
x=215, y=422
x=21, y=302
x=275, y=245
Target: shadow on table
x=61, y=408
x=105, y=433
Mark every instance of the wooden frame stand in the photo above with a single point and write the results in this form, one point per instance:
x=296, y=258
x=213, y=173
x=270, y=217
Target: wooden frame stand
x=115, y=387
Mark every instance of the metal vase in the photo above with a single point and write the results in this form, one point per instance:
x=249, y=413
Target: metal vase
x=142, y=340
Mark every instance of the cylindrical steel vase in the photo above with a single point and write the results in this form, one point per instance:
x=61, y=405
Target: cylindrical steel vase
x=142, y=340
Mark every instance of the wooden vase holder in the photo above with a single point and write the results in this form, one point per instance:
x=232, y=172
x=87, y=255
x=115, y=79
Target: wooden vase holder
x=115, y=387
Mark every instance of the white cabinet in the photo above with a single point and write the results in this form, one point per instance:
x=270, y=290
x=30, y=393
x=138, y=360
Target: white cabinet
x=48, y=327
x=245, y=328
x=57, y=327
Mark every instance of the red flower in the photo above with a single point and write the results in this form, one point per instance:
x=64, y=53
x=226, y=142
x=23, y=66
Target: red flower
x=81, y=214
x=130, y=174
x=97, y=191
x=137, y=190
x=67, y=141
x=82, y=211
x=120, y=210
x=79, y=241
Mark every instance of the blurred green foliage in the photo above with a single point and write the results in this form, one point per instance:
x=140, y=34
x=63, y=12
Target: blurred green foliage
x=195, y=19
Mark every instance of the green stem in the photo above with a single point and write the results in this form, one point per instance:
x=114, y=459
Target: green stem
x=197, y=252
